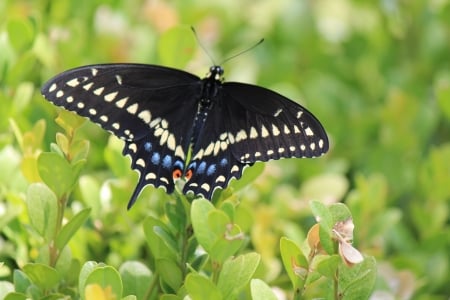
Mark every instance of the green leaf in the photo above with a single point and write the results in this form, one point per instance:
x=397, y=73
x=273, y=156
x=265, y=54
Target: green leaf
x=21, y=281
x=176, y=46
x=326, y=223
x=200, y=210
x=260, y=290
x=87, y=269
x=105, y=276
x=170, y=273
x=201, y=288
x=20, y=33
x=136, y=277
x=358, y=281
x=13, y=295
x=68, y=231
x=322, y=213
x=41, y=275
x=56, y=172
x=158, y=247
x=42, y=207
x=236, y=274
x=339, y=212
x=295, y=263
x=69, y=121
x=328, y=266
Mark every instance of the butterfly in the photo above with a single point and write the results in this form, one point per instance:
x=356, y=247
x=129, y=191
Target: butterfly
x=177, y=125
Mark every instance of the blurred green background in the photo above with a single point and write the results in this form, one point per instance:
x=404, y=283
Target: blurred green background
x=376, y=73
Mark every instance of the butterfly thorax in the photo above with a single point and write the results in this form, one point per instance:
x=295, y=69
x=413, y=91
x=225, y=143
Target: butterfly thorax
x=211, y=86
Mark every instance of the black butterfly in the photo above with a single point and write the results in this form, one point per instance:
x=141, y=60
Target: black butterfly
x=175, y=124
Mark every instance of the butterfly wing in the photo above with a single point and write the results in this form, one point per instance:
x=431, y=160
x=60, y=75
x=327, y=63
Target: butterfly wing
x=274, y=126
x=250, y=124
x=151, y=108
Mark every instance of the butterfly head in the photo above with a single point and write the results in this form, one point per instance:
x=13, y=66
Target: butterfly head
x=216, y=72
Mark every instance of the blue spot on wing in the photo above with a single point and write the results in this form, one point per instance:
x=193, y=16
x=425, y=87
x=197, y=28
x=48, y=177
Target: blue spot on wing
x=148, y=146
x=167, y=162
x=178, y=164
x=224, y=162
x=201, y=168
x=156, y=158
x=211, y=170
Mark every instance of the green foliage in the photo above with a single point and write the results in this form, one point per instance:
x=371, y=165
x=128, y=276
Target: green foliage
x=375, y=73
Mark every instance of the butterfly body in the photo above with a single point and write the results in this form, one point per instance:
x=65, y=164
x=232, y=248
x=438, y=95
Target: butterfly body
x=175, y=124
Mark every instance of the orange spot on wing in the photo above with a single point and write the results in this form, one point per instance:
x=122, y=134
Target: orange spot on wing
x=188, y=174
x=176, y=174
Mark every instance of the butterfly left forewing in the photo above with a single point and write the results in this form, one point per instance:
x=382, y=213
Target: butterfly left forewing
x=151, y=108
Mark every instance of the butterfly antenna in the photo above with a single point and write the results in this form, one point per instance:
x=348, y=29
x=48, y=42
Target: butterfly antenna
x=201, y=45
x=242, y=52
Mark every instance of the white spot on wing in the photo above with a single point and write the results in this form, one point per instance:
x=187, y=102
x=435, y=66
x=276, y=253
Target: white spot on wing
x=73, y=82
x=235, y=168
x=155, y=122
x=278, y=112
x=145, y=116
x=59, y=94
x=150, y=176
x=52, y=87
x=221, y=178
x=164, y=137
x=209, y=150
x=264, y=132
x=253, y=133
x=179, y=152
x=69, y=99
x=88, y=86
x=133, y=147
x=80, y=105
x=140, y=162
x=99, y=91
x=231, y=138
x=92, y=111
x=286, y=129
x=275, y=130
x=299, y=114
x=241, y=135
x=206, y=187
x=171, y=144
x=121, y=103
x=94, y=71
x=309, y=132
x=132, y=109
x=111, y=96
x=119, y=79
